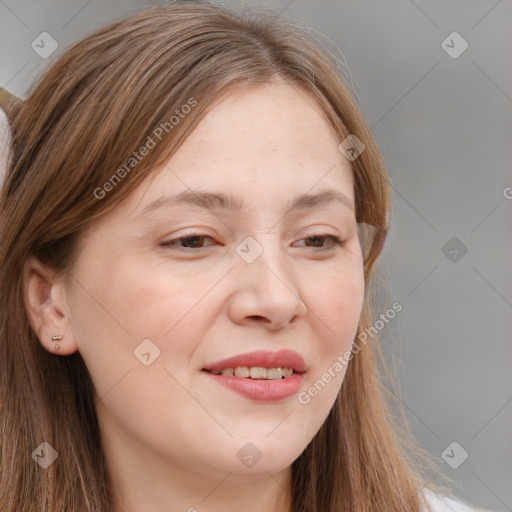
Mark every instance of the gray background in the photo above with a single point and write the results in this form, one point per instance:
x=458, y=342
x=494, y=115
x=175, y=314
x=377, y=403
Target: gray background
x=444, y=126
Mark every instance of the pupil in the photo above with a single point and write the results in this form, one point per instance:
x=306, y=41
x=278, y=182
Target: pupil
x=192, y=238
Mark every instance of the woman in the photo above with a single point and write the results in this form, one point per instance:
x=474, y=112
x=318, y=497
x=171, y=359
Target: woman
x=191, y=219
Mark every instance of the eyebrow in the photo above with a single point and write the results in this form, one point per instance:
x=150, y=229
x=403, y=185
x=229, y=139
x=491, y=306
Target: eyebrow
x=220, y=201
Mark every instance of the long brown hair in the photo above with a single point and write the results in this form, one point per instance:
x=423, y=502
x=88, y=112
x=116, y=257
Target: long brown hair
x=80, y=123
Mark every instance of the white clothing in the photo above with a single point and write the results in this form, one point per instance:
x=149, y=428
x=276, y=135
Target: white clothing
x=444, y=504
x=5, y=141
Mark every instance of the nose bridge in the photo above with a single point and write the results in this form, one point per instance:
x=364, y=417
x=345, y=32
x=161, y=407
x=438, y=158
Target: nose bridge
x=266, y=280
x=263, y=257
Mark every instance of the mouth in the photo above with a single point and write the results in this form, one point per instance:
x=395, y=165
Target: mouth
x=260, y=376
x=260, y=364
x=255, y=372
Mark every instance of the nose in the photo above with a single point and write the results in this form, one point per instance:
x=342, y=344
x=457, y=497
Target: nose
x=266, y=291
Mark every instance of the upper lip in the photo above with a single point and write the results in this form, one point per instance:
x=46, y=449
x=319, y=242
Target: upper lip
x=264, y=359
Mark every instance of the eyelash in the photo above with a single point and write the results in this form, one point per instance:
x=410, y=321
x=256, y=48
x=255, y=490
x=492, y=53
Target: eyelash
x=172, y=243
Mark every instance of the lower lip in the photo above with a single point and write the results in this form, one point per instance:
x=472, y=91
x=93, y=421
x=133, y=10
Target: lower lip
x=261, y=390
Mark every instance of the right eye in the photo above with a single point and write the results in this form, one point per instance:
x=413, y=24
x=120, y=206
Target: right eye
x=189, y=241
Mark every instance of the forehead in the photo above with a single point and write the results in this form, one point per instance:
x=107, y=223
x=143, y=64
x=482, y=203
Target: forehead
x=265, y=121
x=261, y=146
x=274, y=133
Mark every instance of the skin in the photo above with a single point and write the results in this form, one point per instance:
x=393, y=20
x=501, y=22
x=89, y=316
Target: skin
x=171, y=434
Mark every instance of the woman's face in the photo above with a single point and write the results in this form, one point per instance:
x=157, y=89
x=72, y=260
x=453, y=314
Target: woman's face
x=150, y=309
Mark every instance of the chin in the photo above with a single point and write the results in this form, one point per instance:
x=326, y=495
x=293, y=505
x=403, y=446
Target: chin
x=262, y=469
x=265, y=455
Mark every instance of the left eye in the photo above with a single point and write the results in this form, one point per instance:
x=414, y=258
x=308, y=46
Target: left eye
x=334, y=240
x=194, y=241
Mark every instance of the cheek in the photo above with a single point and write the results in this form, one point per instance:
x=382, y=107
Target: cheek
x=114, y=320
x=150, y=300
x=117, y=308
x=335, y=308
x=335, y=302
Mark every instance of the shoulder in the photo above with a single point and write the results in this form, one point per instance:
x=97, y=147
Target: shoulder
x=440, y=503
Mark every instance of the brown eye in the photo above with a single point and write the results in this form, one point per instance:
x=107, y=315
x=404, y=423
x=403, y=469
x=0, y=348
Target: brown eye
x=317, y=241
x=193, y=241
x=197, y=241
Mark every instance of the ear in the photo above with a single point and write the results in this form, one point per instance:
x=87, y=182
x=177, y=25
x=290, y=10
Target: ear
x=47, y=308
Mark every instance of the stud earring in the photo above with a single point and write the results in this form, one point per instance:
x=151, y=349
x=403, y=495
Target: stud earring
x=56, y=338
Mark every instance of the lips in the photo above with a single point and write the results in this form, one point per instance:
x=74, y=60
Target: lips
x=255, y=389
x=262, y=359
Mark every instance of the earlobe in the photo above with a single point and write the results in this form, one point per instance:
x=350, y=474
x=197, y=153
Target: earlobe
x=46, y=305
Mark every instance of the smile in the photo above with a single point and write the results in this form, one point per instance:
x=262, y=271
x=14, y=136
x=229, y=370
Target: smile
x=255, y=372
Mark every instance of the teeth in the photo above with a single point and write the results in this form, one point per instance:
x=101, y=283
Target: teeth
x=255, y=372
x=287, y=372
x=275, y=373
x=242, y=371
